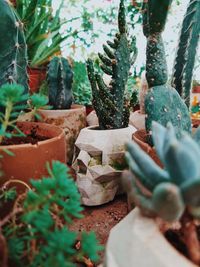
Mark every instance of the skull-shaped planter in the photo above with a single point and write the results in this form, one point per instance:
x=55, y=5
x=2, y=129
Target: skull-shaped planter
x=99, y=161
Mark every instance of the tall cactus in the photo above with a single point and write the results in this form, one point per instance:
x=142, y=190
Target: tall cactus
x=13, y=50
x=162, y=102
x=60, y=78
x=109, y=101
x=186, y=52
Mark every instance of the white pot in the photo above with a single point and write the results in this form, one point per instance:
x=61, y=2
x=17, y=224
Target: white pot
x=136, y=119
x=137, y=242
x=99, y=161
x=70, y=120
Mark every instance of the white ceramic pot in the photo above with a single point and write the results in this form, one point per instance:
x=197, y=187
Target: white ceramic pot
x=99, y=161
x=138, y=242
x=70, y=120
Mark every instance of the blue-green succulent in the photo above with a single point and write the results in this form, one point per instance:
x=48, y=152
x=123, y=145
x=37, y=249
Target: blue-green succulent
x=171, y=190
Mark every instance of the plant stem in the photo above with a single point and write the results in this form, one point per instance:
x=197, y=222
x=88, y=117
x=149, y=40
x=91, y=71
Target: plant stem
x=3, y=251
x=190, y=237
x=6, y=121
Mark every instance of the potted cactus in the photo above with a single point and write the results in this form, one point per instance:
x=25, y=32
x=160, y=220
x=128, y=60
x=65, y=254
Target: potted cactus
x=99, y=150
x=162, y=102
x=70, y=117
x=172, y=195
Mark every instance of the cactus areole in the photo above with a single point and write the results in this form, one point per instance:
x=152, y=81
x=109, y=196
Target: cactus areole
x=13, y=50
x=60, y=78
x=109, y=101
x=162, y=102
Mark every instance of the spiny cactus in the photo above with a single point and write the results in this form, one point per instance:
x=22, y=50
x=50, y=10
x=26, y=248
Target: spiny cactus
x=162, y=102
x=174, y=188
x=186, y=52
x=60, y=78
x=109, y=101
x=13, y=51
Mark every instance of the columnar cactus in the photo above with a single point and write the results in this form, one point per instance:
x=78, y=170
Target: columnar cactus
x=13, y=50
x=162, y=102
x=186, y=52
x=60, y=78
x=174, y=188
x=109, y=101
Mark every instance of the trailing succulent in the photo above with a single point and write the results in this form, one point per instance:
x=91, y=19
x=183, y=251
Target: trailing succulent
x=36, y=232
x=186, y=52
x=174, y=188
x=109, y=100
x=13, y=50
x=60, y=78
x=162, y=103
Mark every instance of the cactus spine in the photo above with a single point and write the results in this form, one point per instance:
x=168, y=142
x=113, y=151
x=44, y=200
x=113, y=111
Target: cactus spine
x=60, y=78
x=162, y=102
x=186, y=52
x=13, y=50
x=109, y=101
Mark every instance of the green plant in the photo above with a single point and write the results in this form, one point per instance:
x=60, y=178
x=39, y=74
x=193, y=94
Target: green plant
x=109, y=101
x=187, y=50
x=13, y=51
x=81, y=85
x=36, y=232
x=42, y=29
x=195, y=83
x=162, y=102
x=11, y=97
x=60, y=78
x=174, y=190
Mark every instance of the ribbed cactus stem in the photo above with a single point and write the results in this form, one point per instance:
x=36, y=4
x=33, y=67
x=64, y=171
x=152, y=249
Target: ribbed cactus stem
x=186, y=51
x=13, y=50
x=60, y=78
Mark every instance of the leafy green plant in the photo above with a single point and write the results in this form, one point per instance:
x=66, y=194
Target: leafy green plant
x=174, y=190
x=11, y=97
x=42, y=29
x=37, y=230
x=81, y=86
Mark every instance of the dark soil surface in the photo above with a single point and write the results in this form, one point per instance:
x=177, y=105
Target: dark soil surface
x=30, y=138
x=102, y=219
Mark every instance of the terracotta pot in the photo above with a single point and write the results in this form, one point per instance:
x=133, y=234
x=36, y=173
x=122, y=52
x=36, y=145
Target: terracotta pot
x=30, y=160
x=138, y=241
x=99, y=161
x=71, y=121
x=196, y=89
x=36, y=77
x=140, y=138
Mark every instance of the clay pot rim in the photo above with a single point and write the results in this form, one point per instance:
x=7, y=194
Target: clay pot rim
x=58, y=134
x=72, y=109
x=110, y=130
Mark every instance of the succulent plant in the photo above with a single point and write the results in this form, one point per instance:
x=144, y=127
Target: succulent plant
x=162, y=102
x=186, y=52
x=13, y=51
x=174, y=188
x=110, y=103
x=60, y=78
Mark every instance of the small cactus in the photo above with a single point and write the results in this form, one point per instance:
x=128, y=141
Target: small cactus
x=109, y=101
x=60, y=78
x=13, y=50
x=162, y=102
x=174, y=188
